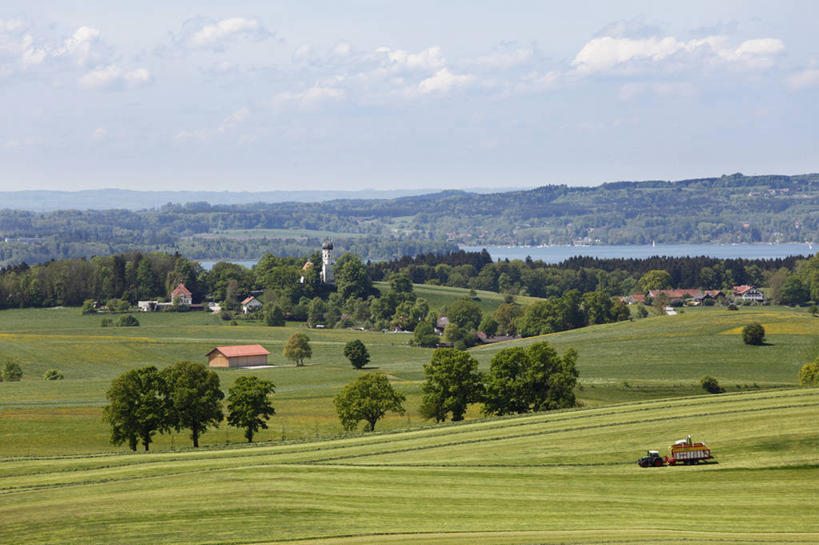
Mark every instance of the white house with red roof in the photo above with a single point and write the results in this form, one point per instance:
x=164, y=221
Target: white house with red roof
x=250, y=305
x=243, y=355
x=182, y=294
x=748, y=293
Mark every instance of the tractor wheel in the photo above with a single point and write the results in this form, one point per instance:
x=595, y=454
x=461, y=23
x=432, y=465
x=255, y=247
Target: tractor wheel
x=643, y=463
x=658, y=463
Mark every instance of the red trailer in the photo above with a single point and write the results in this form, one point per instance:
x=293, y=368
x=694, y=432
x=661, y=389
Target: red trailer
x=686, y=451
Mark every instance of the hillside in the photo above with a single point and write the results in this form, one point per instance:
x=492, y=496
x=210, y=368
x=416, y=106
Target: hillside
x=564, y=477
x=659, y=357
x=727, y=209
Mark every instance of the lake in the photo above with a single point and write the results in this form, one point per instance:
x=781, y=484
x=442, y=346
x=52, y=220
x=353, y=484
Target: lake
x=556, y=254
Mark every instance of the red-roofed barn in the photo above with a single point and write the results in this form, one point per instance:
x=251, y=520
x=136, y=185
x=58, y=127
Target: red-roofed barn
x=238, y=356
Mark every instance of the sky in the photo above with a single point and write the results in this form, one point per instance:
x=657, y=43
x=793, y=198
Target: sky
x=264, y=95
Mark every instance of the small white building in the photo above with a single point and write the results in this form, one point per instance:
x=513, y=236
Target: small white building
x=251, y=305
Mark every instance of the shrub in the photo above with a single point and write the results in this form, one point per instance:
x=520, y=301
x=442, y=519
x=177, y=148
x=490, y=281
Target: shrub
x=813, y=310
x=809, y=374
x=357, y=353
x=226, y=316
x=711, y=385
x=732, y=306
x=129, y=320
x=106, y=322
x=753, y=334
x=12, y=372
x=53, y=374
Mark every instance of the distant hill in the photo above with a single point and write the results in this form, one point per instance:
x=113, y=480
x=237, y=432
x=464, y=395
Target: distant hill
x=106, y=199
x=728, y=209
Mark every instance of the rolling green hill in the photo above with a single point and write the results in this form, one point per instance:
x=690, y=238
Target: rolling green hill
x=659, y=357
x=562, y=477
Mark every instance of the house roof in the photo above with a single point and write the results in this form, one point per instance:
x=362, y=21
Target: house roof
x=739, y=290
x=240, y=350
x=181, y=289
x=307, y=265
x=249, y=299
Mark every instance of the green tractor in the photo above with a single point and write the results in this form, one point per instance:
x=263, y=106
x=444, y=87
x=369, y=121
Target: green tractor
x=652, y=459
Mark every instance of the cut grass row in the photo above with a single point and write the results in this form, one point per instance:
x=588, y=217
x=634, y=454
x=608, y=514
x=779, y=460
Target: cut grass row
x=557, y=477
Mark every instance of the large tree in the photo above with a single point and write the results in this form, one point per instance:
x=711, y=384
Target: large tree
x=249, y=404
x=464, y=313
x=532, y=379
x=655, y=279
x=298, y=348
x=367, y=398
x=138, y=407
x=351, y=277
x=357, y=353
x=196, y=399
x=452, y=383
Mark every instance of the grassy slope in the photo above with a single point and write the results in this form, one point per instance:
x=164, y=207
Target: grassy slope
x=564, y=477
x=652, y=358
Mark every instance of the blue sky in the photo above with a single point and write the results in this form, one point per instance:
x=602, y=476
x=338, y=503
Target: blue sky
x=447, y=94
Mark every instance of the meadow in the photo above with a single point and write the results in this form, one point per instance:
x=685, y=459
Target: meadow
x=561, y=477
x=652, y=358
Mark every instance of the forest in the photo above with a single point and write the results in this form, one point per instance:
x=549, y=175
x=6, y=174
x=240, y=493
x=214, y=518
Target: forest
x=728, y=209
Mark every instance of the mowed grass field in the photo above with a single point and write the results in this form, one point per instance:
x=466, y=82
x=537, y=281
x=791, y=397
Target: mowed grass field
x=560, y=477
x=653, y=358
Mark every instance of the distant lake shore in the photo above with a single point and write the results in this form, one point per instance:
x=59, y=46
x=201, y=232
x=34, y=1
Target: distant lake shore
x=557, y=254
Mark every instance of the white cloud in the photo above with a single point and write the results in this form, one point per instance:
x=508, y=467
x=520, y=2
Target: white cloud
x=78, y=45
x=227, y=28
x=443, y=81
x=99, y=133
x=308, y=98
x=506, y=57
x=806, y=79
x=227, y=124
x=113, y=76
x=607, y=54
x=428, y=59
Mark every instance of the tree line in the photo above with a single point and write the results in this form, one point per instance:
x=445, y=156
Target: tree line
x=146, y=401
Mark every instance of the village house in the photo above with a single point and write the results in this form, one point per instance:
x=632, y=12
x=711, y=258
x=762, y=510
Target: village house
x=748, y=293
x=251, y=305
x=182, y=294
x=237, y=356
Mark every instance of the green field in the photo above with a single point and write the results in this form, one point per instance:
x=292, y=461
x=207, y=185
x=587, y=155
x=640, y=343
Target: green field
x=560, y=477
x=654, y=358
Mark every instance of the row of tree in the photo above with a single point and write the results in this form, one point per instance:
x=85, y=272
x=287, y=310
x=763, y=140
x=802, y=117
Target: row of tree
x=186, y=395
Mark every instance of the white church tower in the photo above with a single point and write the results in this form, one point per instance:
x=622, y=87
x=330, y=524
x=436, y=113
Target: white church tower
x=327, y=263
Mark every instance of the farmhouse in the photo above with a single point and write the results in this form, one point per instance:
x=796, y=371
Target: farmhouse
x=237, y=356
x=250, y=305
x=182, y=294
x=748, y=293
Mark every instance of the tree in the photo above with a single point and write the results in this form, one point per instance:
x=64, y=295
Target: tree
x=53, y=374
x=794, y=291
x=89, y=306
x=753, y=334
x=128, y=320
x=452, y=383
x=532, y=379
x=489, y=326
x=274, y=317
x=464, y=313
x=809, y=374
x=711, y=385
x=351, y=277
x=298, y=348
x=425, y=335
x=138, y=407
x=249, y=405
x=656, y=279
x=356, y=352
x=12, y=372
x=367, y=398
x=196, y=399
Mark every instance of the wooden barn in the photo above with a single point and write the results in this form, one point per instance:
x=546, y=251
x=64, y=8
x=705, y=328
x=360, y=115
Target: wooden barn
x=238, y=356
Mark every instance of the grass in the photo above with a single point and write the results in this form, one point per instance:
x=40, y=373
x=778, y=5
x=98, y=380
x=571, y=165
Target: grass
x=563, y=477
x=654, y=358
